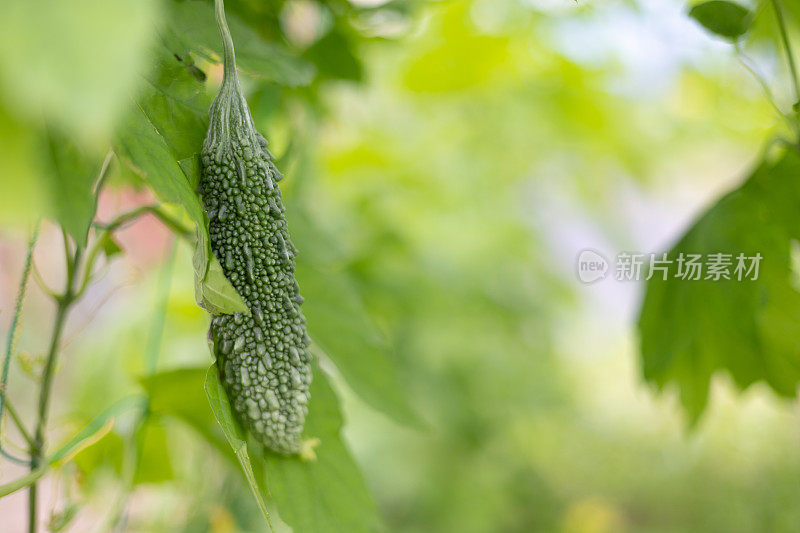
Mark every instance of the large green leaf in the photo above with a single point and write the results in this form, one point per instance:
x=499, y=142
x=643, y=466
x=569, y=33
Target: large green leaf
x=341, y=326
x=73, y=62
x=194, y=25
x=176, y=103
x=179, y=393
x=155, y=463
x=726, y=19
x=327, y=493
x=164, y=130
x=236, y=436
x=335, y=57
x=750, y=328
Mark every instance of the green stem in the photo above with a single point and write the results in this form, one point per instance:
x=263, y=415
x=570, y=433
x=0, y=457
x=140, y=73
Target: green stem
x=37, y=277
x=788, y=47
x=12, y=331
x=227, y=40
x=748, y=66
x=156, y=332
x=101, y=179
x=166, y=219
x=64, y=302
x=18, y=422
x=169, y=221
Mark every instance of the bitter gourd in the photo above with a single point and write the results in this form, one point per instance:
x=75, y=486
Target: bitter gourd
x=263, y=358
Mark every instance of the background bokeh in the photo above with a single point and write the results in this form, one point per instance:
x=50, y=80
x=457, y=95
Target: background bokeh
x=446, y=166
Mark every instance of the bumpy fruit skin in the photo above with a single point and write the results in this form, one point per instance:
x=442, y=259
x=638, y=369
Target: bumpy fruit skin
x=263, y=358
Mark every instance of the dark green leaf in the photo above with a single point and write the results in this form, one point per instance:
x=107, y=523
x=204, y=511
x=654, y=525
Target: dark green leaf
x=334, y=57
x=691, y=329
x=159, y=140
x=724, y=18
x=195, y=28
x=176, y=104
x=145, y=150
x=218, y=400
x=323, y=494
x=342, y=328
x=327, y=493
x=179, y=393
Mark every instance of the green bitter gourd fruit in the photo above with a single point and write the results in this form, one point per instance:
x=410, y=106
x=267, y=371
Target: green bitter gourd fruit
x=263, y=358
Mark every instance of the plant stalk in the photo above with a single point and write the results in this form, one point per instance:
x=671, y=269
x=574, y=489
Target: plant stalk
x=64, y=302
x=788, y=47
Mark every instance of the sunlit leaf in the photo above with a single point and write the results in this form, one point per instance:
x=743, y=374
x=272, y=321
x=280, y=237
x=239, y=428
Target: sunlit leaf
x=110, y=246
x=23, y=199
x=105, y=452
x=217, y=295
x=93, y=432
x=154, y=464
x=453, y=57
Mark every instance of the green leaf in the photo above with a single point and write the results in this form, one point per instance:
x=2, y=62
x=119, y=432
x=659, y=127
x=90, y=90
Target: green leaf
x=335, y=57
x=93, y=432
x=340, y=325
x=158, y=140
x=724, y=18
x=327, y=493
x=154, y=465
x=176, y=104
x=221, y=407
x=145, y=150
x=196, y=30
x=60, y=520
x=69, y=180
x=179, y=393
x=105, y=452
x=23, y=199
x=110, y=246
x=95, y=429
x=216, y=294
x=750, y=328
x=73, y=62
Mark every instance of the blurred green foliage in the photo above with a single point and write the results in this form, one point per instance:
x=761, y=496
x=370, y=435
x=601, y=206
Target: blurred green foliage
x=419, y=142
